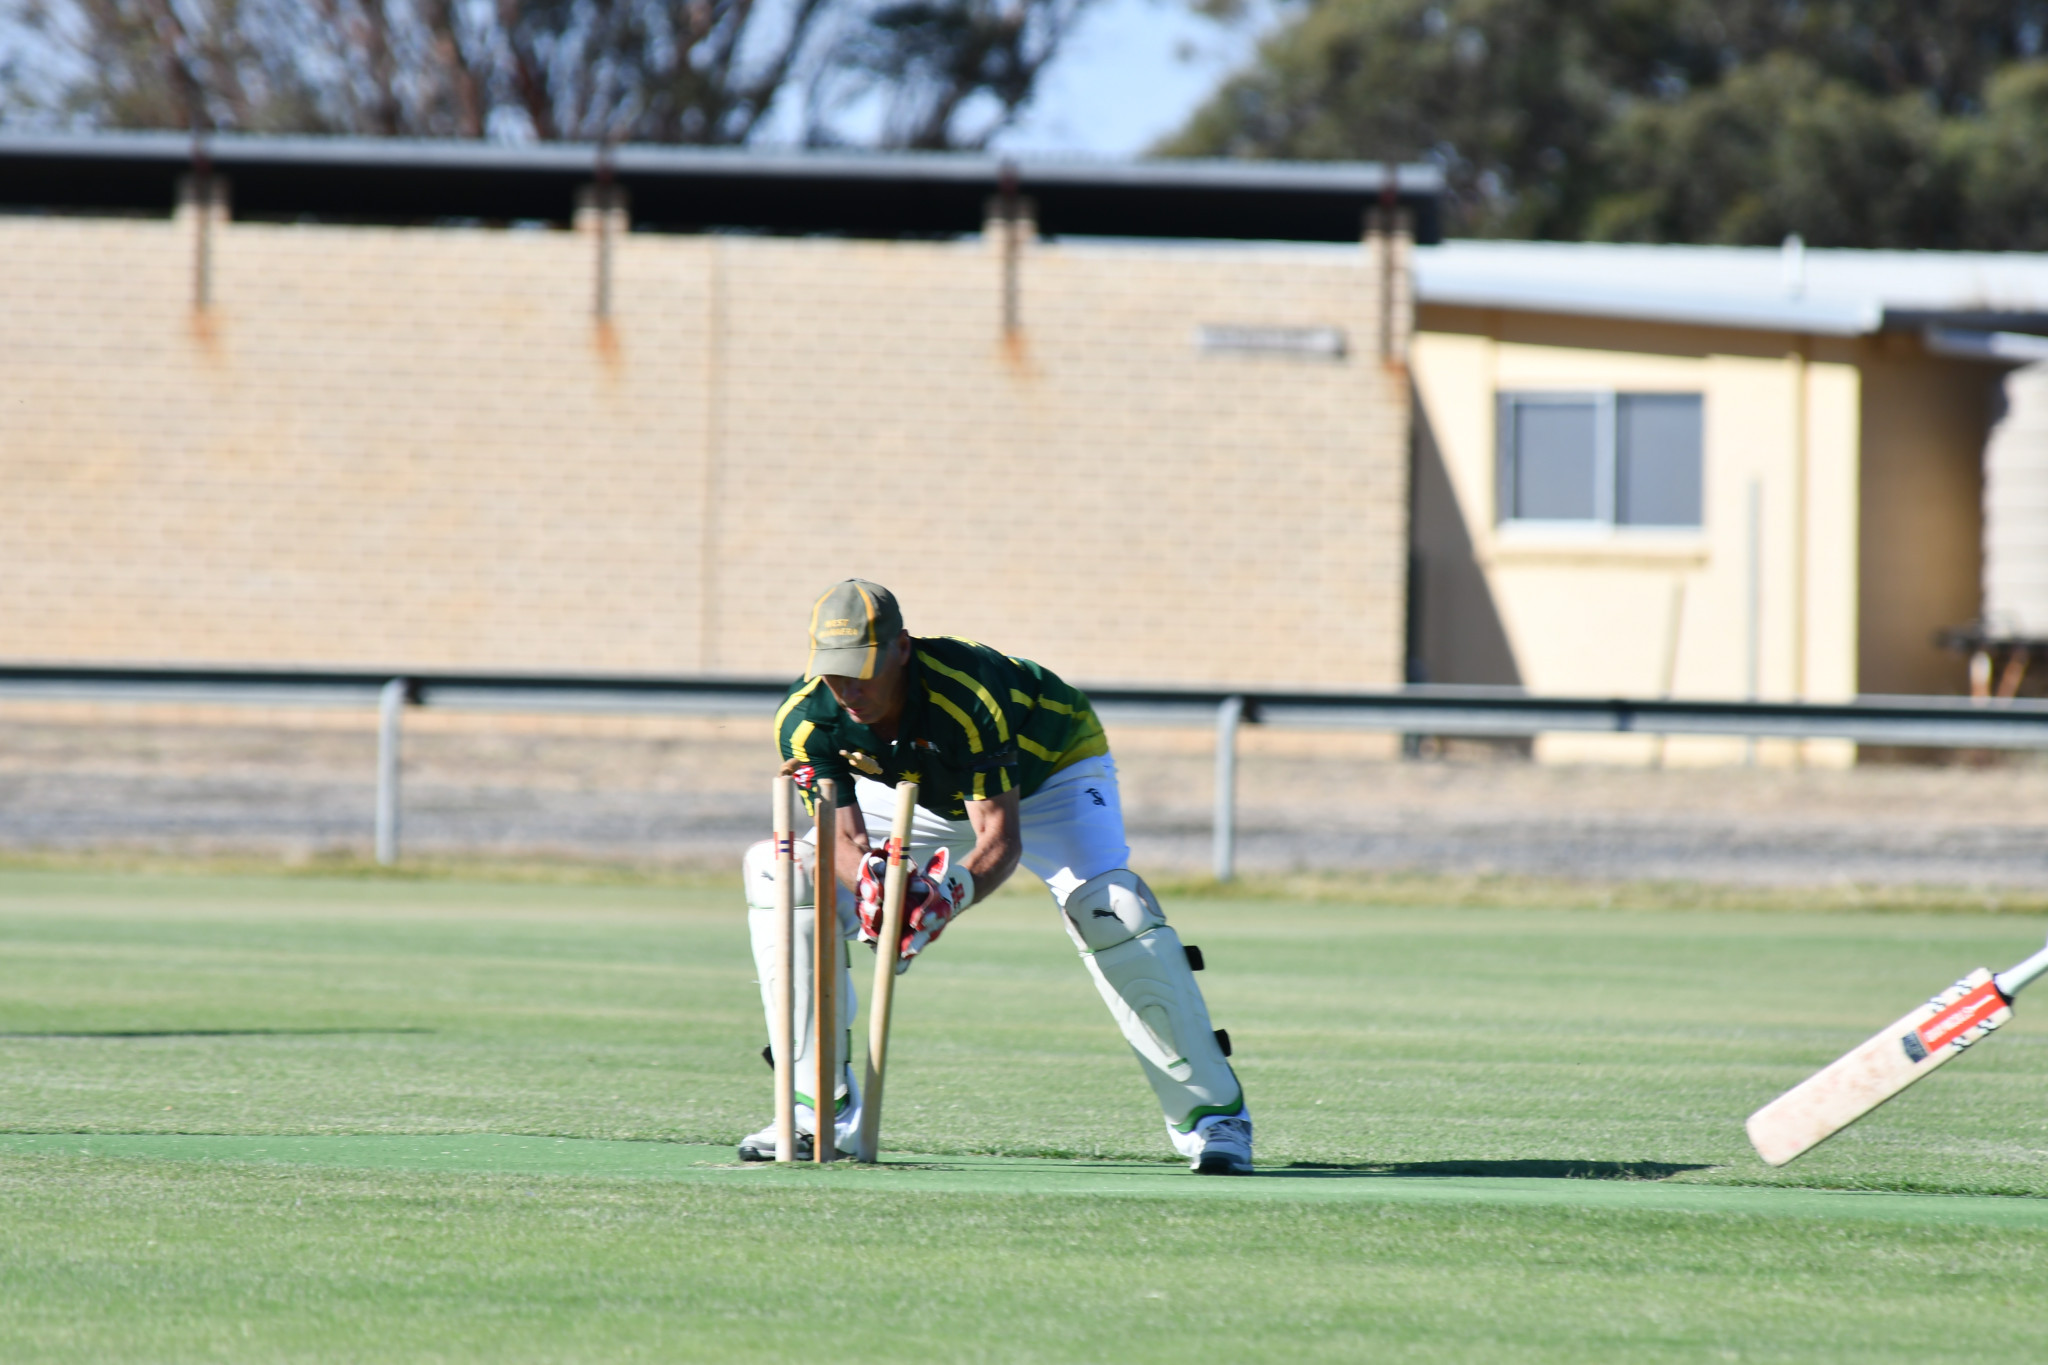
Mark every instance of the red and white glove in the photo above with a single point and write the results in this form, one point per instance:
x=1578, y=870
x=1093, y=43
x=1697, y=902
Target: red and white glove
x=868, y=895
x=931, y=900
x=932, y=897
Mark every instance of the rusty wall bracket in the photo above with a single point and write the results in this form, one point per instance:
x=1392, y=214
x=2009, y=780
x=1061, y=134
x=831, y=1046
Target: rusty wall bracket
x=203, y=203
x=1388, y=225
x=602, y=211
x=1013, y=217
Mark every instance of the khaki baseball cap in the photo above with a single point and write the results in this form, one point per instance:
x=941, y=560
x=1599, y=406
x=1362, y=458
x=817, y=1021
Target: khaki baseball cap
x=849, y=625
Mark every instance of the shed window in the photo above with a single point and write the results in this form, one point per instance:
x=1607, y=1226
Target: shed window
x=1621, y=459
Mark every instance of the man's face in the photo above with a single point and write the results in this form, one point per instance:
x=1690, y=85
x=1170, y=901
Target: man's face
x=873, y=700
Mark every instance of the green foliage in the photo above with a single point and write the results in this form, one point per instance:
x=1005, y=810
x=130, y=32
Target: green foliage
x=1876, y=123
x=933, y=61
x=2001, y=162
x=1779, y=147
x=1509, y=95
x=1945, y=50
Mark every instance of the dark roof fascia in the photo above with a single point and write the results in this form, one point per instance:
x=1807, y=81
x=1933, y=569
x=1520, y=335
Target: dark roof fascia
x=697, y=188
x=1972, y=319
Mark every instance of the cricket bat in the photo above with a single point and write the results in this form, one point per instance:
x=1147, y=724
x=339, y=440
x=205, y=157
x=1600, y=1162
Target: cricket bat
x=1836, y=1096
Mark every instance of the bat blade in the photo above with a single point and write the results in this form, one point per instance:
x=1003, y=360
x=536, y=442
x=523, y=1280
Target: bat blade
x=1837, y=1095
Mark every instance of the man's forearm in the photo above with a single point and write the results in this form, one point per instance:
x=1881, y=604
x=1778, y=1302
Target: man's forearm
x=998, y=842
x=992, y=862
x=853, y=850
x=853, y=846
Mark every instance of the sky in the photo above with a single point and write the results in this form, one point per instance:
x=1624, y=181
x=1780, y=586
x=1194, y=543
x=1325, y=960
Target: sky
x=1132, y=71
x=1128, y=74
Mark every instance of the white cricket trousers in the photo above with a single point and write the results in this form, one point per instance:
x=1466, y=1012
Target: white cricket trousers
x=1073, y=826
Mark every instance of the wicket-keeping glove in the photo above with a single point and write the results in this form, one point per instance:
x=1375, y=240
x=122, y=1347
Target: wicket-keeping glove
x=868, y=894
x=932, y=898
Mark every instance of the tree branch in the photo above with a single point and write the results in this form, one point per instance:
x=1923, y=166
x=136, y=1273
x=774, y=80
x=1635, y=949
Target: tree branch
x=529, y=80
x=457, y=69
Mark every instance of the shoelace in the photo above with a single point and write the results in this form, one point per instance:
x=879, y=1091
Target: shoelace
x=1236, y=1129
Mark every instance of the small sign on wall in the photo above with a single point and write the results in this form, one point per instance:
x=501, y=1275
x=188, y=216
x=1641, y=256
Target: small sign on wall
x=1313, y=343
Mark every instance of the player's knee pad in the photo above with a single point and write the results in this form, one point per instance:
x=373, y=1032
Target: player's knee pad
x=1144, y=976
x=757, y=871
x=757, y=875
x=1110, y=909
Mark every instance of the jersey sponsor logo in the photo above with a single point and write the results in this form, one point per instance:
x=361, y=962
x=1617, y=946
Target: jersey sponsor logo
x=1095, y=796
x=1974, y=1010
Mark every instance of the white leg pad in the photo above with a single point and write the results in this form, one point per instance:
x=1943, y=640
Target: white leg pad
x=758, y=869
x=1141, y=970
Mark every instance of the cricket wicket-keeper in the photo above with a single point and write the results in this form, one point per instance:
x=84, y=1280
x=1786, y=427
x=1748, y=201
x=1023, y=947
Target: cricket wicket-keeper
x=1012, y=767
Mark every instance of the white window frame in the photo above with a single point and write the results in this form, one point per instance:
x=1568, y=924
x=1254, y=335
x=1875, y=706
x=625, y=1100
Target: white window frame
x=1606, y=454
x=1507, y=414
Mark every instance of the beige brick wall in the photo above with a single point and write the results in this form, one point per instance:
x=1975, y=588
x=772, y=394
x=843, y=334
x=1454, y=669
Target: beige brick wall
x=416, y=448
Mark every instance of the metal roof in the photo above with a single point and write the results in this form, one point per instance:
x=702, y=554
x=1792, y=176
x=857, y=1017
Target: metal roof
x=1823, y=292
x=697, y=188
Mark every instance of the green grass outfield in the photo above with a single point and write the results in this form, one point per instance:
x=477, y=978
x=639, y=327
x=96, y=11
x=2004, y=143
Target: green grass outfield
x=330, y=1118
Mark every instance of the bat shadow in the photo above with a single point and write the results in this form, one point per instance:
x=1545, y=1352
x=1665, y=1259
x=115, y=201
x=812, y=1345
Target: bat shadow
x=207, y=1032
x=1523, y=1170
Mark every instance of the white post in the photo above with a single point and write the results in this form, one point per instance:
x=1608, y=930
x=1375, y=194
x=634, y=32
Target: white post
x=1755, y=642
x=1228, y=716
x=390, y=711
x=782, y=1029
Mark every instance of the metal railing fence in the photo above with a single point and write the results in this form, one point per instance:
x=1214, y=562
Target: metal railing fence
x=1938, y=722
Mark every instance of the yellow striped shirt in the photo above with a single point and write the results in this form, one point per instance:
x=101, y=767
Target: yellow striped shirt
x=976, y=723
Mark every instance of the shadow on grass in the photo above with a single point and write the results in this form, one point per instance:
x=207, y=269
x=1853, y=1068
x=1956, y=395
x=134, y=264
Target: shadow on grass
x=208, y=1032
x=1525, y=1170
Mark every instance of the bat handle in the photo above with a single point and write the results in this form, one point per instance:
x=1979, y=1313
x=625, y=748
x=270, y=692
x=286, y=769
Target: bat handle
x=2016, y=979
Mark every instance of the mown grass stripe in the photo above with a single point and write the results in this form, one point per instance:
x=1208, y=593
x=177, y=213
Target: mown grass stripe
x=503, y=1154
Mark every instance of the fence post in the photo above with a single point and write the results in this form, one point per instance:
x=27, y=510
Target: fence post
x=1224, y=854
x=390, y=711
x=1753, y=623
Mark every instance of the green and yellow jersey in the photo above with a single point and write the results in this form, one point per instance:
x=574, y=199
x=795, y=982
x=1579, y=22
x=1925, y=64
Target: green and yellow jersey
x=975, y=724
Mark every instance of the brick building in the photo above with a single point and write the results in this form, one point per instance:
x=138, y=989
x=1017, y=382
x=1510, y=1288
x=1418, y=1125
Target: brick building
x=391, y=405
